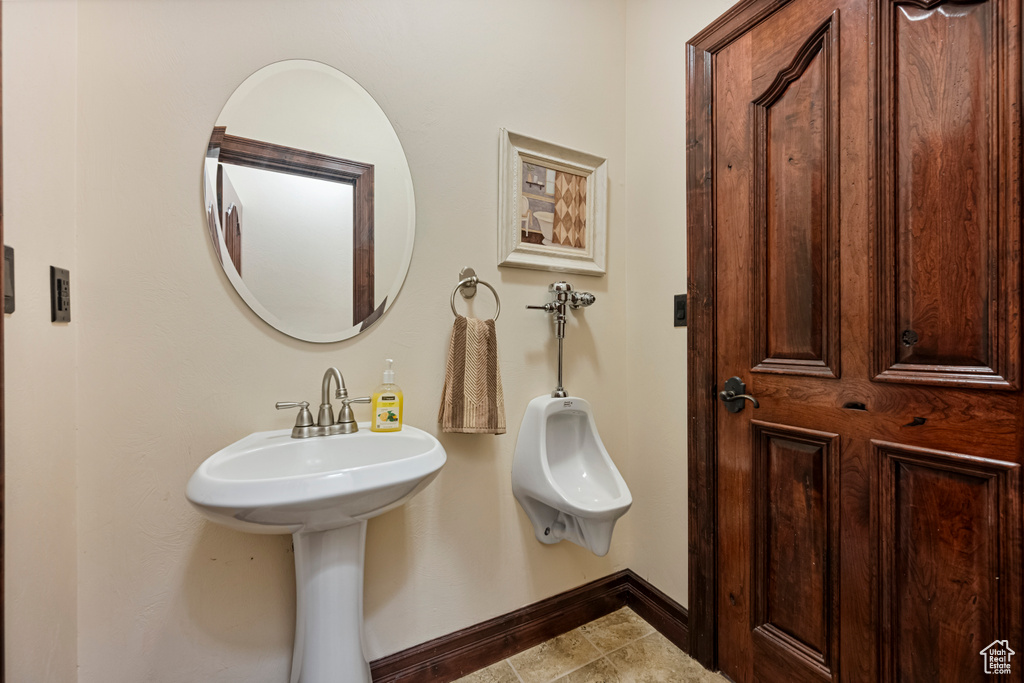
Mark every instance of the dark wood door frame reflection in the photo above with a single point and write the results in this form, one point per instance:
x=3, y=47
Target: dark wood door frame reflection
x=233, y=236
x=239, y=151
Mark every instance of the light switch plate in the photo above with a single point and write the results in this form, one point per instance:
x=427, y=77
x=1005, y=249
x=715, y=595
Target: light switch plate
x=60, y=295
x=8, y=279
x=679, y=311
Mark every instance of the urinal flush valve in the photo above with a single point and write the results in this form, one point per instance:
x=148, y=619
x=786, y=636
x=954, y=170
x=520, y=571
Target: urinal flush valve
x=564, y=297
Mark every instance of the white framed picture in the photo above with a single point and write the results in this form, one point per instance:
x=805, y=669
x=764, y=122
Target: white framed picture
x=552, y=207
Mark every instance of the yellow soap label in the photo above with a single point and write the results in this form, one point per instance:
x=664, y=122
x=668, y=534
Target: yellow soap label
x=388, y=409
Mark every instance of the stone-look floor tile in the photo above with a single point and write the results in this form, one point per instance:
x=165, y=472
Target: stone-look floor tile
x=616, y=629
x=495, y=673
x=654, y=659
x=554, y=658
x=600, y=671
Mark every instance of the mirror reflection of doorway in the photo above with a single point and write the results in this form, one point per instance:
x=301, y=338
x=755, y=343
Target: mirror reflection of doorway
x=318, y=206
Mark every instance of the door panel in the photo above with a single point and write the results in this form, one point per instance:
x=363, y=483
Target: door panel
x=948, y=249
x=795, y=213
x=782, y=80
x=796, y=477
x=948, y=537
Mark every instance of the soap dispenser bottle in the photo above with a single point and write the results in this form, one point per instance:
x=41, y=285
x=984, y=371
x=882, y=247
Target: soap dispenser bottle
x=387, y=403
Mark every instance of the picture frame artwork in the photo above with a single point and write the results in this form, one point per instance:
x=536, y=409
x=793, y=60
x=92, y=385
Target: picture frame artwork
x=552, y=207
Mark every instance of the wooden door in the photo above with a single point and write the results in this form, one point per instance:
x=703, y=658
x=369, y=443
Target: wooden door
x=855, y=260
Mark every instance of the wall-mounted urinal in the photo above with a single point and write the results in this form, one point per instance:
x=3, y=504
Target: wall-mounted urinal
x=564, y=478
x=562, y=474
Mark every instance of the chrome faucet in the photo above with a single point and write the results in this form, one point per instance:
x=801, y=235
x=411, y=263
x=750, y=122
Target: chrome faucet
x=326, y=416
x=325, y=424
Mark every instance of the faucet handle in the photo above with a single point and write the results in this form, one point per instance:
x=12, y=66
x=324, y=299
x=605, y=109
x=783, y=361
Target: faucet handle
x=346, y=418
x=283, y=405
x=304, y=418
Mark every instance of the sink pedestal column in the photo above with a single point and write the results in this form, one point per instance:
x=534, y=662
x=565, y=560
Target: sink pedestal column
x=329, y=606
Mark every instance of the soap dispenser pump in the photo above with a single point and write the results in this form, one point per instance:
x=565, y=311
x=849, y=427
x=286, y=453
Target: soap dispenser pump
x=387, y=403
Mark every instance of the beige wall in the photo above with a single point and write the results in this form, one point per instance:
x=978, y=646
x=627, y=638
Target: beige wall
x=174, y=366
x=39, y=48
x=656, y=35
x=164, y=364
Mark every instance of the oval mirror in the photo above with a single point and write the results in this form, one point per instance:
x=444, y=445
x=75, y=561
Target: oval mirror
x=309, y=201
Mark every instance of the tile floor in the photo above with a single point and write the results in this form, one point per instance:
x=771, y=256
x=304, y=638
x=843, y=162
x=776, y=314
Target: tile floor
x=618, y=648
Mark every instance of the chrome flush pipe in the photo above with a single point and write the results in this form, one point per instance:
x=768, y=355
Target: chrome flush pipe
x=564, y=296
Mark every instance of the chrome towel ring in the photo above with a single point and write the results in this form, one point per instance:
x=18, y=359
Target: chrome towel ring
x=467, y=286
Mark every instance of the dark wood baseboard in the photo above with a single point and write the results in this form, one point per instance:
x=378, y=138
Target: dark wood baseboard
x=455, y=655
x=660, y=611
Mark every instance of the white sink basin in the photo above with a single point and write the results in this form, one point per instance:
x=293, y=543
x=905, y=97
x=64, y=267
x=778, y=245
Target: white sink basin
x=270, y=483
x=321, y=490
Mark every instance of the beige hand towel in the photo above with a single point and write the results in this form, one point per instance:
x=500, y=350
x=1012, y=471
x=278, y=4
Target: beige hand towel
x=472, y=401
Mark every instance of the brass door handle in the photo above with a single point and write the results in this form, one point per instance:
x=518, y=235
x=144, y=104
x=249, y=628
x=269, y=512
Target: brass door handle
x=733, y=395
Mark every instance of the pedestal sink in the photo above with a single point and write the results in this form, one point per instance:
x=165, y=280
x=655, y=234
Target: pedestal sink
x=321, y=490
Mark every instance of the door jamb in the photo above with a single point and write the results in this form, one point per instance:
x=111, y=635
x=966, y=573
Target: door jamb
x=702, y=498
x=3, y=561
